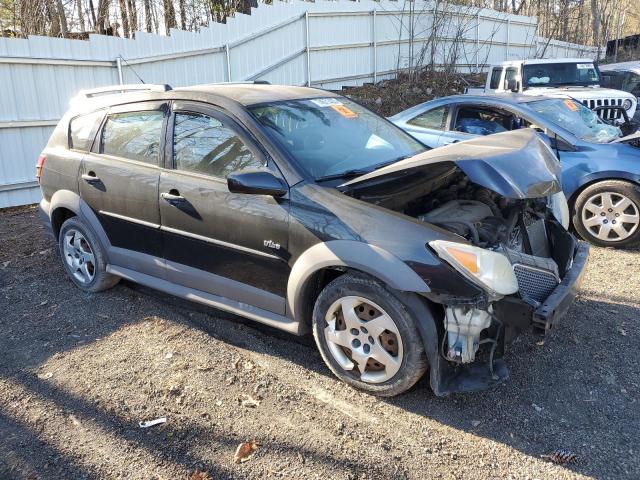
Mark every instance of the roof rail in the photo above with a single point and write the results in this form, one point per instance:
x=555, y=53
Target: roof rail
x=248, y=82
x=114, y=89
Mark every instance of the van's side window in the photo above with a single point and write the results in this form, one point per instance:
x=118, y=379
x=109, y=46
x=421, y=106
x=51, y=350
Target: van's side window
x=82, y=130
x=203, y=144
x=133, y=135
x=496, y=73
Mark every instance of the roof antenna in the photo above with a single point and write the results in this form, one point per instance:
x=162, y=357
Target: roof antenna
x=120, y=57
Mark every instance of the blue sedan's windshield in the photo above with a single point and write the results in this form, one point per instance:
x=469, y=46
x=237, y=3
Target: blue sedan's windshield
x=576, y=118
x=334, y=137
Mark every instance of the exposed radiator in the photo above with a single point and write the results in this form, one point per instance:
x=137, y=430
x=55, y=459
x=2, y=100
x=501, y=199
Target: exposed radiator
x=537, y=276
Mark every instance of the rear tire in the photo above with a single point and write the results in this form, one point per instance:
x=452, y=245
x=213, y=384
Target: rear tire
x=607, y=214
x=83, y=257
x=367, y=337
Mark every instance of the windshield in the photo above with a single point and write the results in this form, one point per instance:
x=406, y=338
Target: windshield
x=577, y=119
x=560, y=74
x=332, y=137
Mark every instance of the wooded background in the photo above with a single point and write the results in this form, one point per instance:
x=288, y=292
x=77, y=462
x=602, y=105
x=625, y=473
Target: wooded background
x=590, y=22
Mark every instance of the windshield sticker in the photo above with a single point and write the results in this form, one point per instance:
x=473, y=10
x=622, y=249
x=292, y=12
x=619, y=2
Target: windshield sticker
x=326, y=102
x=344, y=111
x=583, y=66
x=571, y=105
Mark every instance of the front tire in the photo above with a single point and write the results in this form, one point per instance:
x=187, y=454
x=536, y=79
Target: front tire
x=367, y=337
x=83, y=257
x=607, y=214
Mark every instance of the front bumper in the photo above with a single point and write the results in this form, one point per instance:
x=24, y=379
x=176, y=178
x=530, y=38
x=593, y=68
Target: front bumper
x=557, y=304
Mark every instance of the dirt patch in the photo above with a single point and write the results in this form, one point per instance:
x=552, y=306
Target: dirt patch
x=79, y=371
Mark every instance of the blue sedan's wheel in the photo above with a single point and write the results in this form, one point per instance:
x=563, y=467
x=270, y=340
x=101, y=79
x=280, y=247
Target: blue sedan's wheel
x=608, y=213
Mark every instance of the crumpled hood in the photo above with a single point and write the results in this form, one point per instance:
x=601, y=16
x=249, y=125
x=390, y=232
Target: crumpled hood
x=516, y=164
x=629, y=138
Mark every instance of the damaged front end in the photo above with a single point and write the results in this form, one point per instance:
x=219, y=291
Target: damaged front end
x=501, y=198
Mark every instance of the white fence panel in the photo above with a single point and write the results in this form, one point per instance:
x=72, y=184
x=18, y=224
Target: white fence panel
x=327, y=44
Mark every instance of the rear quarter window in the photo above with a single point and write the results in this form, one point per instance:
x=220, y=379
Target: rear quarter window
x=433, y=119
x=82, y=130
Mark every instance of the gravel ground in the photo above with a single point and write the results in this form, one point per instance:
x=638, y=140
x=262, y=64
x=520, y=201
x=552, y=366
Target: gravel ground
x=79, y=371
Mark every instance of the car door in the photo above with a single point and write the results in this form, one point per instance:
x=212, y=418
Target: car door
x=228, y=244
x=119, y=181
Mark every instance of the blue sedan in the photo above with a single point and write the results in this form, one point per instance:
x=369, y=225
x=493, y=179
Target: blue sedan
x=600, y=167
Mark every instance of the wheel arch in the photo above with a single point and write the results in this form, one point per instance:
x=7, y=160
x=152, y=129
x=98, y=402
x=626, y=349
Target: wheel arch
x=323, y=262
x=65, y=204
x=594, y=178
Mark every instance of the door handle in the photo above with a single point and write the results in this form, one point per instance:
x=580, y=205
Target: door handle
x=90, y=177
x=172, y=197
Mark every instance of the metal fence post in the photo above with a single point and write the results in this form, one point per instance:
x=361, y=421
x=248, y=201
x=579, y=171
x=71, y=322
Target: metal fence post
x=228, y=57
x=307, y=49
x=119, y=66
x=508, y=38
x=477, y=40
x=375, y=48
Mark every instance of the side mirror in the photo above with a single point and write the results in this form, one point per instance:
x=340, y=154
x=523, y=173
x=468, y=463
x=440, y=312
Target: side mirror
x=512, y=85
x=256, y=182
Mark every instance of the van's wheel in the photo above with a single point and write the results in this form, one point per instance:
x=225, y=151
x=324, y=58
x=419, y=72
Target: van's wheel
x=367, y=337
x=83, y=257
x=607, y=214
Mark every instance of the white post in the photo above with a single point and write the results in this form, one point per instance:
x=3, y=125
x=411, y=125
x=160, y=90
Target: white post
x=508, y=38
x=228, y=57
x=477, y=41
x=375, y=48
x=306, y=30
x=119, y=65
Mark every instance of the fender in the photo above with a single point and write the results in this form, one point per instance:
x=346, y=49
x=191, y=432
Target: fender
x=367, y=258
x=597, y=176
x=72, y=201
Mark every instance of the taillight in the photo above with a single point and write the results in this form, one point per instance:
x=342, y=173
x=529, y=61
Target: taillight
x=39, y=165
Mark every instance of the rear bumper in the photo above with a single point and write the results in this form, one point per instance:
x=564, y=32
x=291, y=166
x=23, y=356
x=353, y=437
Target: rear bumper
x=45, y=217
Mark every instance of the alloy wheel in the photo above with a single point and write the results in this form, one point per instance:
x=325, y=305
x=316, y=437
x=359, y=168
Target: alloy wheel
x=610, y=216
x=79, y=256
x=363, y=339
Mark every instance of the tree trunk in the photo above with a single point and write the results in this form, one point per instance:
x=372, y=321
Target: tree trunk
x=93, y=16
x=124, y=17
x=63, y=19
x=147, y=15
x=54, y=19
x=80, y=15
x=596, y=22
x=103, y=16
x=133, y=17
x=183, y=14
x=169, y=16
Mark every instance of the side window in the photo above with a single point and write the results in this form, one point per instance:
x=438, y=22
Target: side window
x=434, y=119
x=203, y=144
x=483, y=121
x=133, y=135
x=510, y=75
x=496, y=73
x=82, y=130
x=631, y=83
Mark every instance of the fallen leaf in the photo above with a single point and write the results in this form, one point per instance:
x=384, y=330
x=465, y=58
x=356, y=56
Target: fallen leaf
x=622, y=332
x=244, y=451
x=248, y=366
x=250, y=402
x=475, y=423
x=75, y=421
x=44, y=303
x=45, y=376
x=560, y=457
x=235, y=363
x=540, y=343
x=168, y=355
x=198, y=475
x=538, y=409
x=203, y=368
